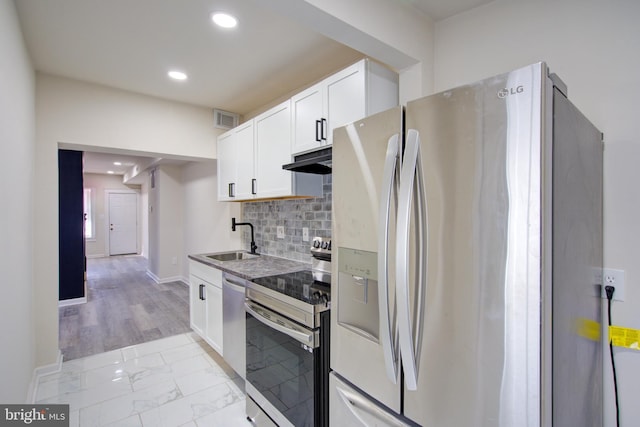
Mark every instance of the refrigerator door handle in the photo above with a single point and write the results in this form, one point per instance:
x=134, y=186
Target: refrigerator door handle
x=410, y=182
x=389, y=190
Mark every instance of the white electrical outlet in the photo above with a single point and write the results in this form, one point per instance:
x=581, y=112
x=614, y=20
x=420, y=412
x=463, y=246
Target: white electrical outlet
x=305, y=234
x=615, y=278
x=280, y=232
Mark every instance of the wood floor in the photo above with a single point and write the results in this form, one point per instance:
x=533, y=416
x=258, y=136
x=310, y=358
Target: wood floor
x=124, y=307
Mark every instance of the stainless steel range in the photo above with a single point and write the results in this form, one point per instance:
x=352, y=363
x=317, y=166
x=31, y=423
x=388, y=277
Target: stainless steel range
x=287, y=344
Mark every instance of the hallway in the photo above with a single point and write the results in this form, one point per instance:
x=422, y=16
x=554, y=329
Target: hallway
x=124, y=307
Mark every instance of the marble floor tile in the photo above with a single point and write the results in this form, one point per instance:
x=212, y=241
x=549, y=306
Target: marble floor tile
x=125, y=406
x=185, y=351
x=100, y=360
x=83, y=398
x=201, y=380
x=138, y=350
x=175, y=381
x=232, y=415
x=192, y=407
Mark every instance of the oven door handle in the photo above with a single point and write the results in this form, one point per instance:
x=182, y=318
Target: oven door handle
x=282, y=325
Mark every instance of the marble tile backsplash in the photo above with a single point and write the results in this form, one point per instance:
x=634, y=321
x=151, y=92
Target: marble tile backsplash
x=293, y=215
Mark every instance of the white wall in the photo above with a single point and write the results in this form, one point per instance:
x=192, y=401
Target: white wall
x=91, y=115
x=186, y=218
x=166, y=216
x=99, y=184
x=401, y=27
x=207, y=225
x=144, y=218
x=17, y=133
x=86, y=116
x=593, y=47
x=393, y=32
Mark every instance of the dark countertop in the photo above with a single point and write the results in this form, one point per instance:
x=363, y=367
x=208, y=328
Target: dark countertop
x=263, y=265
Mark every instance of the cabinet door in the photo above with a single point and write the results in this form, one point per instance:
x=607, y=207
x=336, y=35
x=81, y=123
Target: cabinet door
x=345, y=98
x=244, y=161
x=273, y=149
x=214, y=317
x=307, y=109
x=197, y=313
x=227, y=166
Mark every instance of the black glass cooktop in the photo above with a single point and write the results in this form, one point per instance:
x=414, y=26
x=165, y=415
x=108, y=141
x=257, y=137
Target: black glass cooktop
x=308, y=286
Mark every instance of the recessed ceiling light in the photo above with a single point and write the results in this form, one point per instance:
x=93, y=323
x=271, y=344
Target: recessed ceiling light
x=224, y=20
x=110, y=172
x=177, y=75
x=117, y=163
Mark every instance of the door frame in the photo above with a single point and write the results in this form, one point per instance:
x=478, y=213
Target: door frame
x=107, y=210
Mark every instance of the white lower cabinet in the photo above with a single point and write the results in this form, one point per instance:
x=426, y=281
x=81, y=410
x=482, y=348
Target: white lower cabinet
x=197, y=307
x=205, y=308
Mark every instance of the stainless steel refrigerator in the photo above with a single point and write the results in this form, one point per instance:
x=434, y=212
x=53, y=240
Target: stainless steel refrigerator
x=467, y=241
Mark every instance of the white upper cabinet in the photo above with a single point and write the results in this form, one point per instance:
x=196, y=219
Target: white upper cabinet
x=272, y=150
x=245, y=159
x=250, y=159
x=358, y=91
x=308, y=112
x=235, y=163
x=250, y=156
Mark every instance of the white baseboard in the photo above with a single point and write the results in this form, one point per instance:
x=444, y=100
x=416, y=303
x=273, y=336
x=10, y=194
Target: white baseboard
x=166, y=279
x=73, y=301
x=97, y=256
x=39, y=372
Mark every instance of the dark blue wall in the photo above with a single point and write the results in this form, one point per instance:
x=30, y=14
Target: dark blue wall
x=71, y=224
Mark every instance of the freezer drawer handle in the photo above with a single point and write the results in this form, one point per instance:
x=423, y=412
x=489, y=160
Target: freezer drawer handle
x=365, y=411
x=411, y=189
x=388, y=330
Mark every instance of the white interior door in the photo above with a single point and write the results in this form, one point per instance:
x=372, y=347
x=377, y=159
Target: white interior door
x=123, y=223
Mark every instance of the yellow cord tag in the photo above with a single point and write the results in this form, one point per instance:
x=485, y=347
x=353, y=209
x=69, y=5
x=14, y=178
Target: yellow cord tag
x=625, y=337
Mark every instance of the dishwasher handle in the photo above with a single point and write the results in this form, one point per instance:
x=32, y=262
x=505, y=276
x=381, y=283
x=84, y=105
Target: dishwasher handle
x=235, y=283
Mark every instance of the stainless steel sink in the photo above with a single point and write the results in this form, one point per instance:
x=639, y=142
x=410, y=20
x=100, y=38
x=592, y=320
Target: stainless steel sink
x=232, y=256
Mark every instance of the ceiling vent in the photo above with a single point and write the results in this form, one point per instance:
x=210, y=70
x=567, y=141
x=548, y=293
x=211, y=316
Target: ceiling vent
x=225, y=119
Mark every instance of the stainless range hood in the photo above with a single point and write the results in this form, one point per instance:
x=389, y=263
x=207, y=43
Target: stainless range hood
x=316, y=162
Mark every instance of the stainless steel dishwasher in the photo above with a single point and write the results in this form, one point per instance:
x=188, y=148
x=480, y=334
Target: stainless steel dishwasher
x=234, y=323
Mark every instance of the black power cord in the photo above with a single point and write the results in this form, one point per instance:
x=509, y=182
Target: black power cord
x=609, y=290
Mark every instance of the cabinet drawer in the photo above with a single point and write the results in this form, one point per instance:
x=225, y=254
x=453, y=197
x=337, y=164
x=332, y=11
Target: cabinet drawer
x=206, y=273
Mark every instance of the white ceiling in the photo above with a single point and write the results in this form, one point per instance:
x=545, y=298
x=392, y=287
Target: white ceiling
x=442, y=9
x=103, y=162
x=132, y=44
